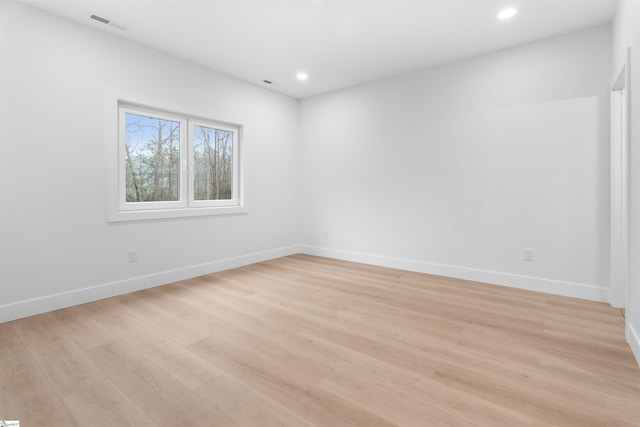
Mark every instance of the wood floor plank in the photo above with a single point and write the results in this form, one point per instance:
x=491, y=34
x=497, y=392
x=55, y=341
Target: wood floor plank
x=527, y=351
x=180, y=363
x=389, y=403
x=363, y=369
x=105, y=405
x=518, y=393
x=66, y=365
x=293, y=389
x=25, y=391
x=83, y=330
x=162, y=320
x=163, y=399
x=310, y=341
x=246, y=406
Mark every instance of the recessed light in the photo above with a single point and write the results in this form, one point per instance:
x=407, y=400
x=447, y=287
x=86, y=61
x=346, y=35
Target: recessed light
x=507, y=13
x=302, y=76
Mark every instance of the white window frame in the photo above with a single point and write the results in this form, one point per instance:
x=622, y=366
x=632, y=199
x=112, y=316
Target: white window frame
x=117, y=105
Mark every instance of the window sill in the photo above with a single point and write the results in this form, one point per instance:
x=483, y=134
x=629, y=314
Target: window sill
x=144, y=215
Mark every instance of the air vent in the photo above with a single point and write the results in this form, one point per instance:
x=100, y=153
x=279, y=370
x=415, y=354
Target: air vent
x=109, y=22
x=100, y=19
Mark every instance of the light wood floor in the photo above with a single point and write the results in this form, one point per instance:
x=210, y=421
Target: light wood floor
x=307, y=341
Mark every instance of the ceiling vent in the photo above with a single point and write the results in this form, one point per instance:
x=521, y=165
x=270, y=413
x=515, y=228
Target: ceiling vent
x=100, y=19
x=109, y=22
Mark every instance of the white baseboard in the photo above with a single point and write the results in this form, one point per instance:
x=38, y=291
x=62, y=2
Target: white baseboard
x=47, y=303
x=634, y=341
x=557, y=287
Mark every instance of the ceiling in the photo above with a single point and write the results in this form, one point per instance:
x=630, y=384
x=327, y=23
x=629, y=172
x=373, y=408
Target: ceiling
x=338, y=43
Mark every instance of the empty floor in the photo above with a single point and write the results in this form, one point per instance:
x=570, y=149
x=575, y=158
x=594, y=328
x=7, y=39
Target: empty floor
x=304, y=341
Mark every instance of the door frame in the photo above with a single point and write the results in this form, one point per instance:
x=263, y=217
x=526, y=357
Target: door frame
x=619, y=249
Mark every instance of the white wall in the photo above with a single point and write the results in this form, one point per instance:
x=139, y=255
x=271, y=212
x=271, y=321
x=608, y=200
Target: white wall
x=454, y=170
x=56, y=241
x=626, y=33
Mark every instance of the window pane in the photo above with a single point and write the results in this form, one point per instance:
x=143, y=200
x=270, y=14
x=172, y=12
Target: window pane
x=152, y=159
x=213, y=163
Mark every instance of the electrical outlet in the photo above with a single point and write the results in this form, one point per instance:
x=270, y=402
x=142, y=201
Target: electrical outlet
x=133, y=255
x=528, y=254
x=325, y=233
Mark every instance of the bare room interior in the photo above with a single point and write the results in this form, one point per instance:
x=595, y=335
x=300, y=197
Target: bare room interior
x=320, y=213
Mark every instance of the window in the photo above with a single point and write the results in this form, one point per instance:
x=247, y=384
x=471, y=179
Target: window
x=172, y=164
x=213, y=162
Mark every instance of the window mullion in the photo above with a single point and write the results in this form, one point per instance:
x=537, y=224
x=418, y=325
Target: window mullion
x=184, y=162
x=190, y=164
